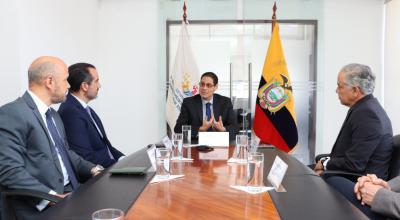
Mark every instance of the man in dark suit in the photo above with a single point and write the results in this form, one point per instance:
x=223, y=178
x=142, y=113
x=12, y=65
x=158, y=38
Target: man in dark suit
x=34, y=152
x=364, y=144
x=85, y=131
x=207, y=111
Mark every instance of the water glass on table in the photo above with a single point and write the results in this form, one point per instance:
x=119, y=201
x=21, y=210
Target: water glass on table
x=177, y=140
x=163, y=159
x=187, y=135
x=255, y=171
x=108, y=214
x=241, y=148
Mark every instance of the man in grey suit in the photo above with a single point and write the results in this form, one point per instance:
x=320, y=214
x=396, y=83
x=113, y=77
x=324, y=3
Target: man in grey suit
x=34, y=153
x=375, y=197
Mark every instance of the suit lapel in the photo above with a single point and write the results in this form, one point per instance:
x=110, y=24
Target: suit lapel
x=216, y=109
x=29, y=101
x=199, y=104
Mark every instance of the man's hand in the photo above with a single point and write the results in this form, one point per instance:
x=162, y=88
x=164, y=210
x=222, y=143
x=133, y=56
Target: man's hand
x=206, y=124
x=368, y=192
x=218, y=125
x=319, y=168
x=370, y=179
x=62, y=196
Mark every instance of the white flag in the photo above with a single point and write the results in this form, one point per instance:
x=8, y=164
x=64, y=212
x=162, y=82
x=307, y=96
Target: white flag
x=183, y=79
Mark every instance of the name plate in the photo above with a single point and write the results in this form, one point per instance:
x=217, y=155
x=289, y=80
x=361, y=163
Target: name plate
x=151, y=152
x=212, y=138
x=277, y=172
x=167, y=142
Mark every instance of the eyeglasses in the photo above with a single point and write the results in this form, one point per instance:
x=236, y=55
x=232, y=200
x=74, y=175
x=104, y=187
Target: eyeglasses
x=208, y=85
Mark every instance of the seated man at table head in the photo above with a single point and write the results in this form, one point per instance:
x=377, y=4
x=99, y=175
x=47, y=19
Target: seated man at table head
x=85, y=132
x=207, y=111
x=375, y=197
x=364, y=143
x=34, y=152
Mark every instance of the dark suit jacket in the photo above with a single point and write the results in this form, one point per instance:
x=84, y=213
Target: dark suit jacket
x=192, y=114
x=28, y=159
x=83, y=136
x=365, y=141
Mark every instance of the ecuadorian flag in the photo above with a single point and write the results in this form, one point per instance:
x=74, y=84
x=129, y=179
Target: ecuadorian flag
x=275, y=118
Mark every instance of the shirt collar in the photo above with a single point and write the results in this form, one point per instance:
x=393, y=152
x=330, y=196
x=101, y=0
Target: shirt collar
x=42, y=107
x=205, y=101
x=84, y=105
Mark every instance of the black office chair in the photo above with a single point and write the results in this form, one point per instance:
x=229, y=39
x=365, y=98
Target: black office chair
x=7, y=210
x=394, y=166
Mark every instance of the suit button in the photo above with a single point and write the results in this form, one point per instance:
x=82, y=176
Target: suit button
x=60, y=180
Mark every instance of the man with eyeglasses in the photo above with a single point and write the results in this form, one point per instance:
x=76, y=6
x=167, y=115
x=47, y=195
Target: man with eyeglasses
x=207, y=111
x=364, y=143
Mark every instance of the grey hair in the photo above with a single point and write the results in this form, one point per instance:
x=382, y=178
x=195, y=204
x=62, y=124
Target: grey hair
x=361, y=76
x=38, y=72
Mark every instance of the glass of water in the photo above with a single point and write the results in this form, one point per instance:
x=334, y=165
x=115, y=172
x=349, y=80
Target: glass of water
x=255, y=171
x=108, y=214
x=187, y=135
x=163, y=156
x=177, y=140
x=241, y=148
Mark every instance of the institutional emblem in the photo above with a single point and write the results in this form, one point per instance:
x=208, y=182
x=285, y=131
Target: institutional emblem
x=186, y=88
x=274, y=95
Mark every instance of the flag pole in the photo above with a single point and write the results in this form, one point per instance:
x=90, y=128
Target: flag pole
x=273, y=16
x=184, y=12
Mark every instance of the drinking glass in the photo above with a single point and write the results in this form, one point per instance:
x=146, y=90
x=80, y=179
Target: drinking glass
x=187, y=135
x=163, y=156
x=108, y=214
x=241, y=148
x=255, y=171
x=177, y=139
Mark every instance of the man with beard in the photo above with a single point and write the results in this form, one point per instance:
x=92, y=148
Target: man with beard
x=85, y=132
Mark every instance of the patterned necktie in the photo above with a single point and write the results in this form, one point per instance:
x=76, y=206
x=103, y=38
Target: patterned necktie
x=59, y=145
x=208, y=111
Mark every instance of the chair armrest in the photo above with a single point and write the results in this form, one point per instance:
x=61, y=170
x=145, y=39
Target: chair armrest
x=319, y=156
x=31, y=193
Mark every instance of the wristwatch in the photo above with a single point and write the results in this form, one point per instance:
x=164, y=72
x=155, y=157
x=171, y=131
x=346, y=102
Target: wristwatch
x=96, y=169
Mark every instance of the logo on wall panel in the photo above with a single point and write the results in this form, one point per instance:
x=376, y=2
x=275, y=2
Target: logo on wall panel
x=275, y=95
x=187, y=91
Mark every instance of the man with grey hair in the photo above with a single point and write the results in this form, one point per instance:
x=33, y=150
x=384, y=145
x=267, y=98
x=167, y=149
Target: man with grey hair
x=364, y=143
x=34, y=153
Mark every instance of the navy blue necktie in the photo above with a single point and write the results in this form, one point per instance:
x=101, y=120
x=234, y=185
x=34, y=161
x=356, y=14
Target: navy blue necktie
x=208, y=111
x=89, y=111
x=59, y=144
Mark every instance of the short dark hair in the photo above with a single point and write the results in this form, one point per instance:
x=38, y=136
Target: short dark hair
x=79, y=73
x=212, y=75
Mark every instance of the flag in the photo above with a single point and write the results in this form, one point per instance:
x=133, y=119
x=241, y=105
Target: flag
x=275, y=118
x=183, y=79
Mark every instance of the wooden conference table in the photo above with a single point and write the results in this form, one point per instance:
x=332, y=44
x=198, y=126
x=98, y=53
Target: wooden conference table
x=205, y=193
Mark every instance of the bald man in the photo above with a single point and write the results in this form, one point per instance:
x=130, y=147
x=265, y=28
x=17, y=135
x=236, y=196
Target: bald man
x=34, y=153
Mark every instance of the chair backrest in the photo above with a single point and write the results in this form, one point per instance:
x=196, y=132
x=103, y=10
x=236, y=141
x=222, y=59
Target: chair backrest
x=394, y=168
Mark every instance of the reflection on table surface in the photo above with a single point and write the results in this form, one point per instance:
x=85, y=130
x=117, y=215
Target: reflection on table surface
x=204, y=192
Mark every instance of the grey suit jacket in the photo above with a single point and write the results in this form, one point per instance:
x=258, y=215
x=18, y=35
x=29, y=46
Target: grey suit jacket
x=387, y=202
x=28, y=159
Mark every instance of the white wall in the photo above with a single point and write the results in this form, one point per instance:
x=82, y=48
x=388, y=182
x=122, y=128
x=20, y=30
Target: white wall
x=392, y=64
x=119, y=37
x=132, y=93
